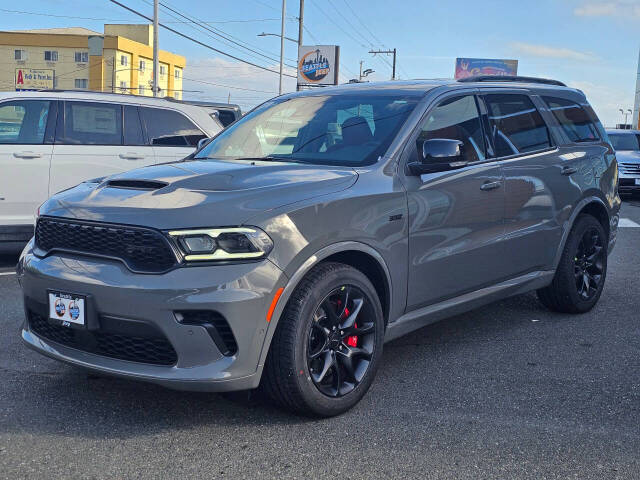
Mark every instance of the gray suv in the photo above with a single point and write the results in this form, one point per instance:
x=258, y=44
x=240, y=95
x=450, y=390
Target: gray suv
x=284, y=253
x=627, y=146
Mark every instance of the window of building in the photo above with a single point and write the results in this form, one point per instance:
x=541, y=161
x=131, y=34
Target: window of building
x=141, y=89
x=177, y=95
x=573, y=119
x=81, y=57
x=142, y=65
x=516, y=125
x=124, y=60
x=170, y=128
x=456, y=118
x=23, y=121
x=20, y=55
x=51, y=55
x=81, y=83
x=87, y=123
x=177, y=73
x=123, y=87
x=163, y=70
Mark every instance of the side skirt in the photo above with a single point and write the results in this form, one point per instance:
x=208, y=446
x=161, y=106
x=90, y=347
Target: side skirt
x=433, y=313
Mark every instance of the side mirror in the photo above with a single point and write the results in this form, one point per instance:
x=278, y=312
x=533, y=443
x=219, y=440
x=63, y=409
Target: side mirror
x=202, y=142
x=438, y=155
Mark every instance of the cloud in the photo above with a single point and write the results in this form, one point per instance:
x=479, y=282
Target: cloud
x=217, y=79
x=621, y=8
x=551, y=52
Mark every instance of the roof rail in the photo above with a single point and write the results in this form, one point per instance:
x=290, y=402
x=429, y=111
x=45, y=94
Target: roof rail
x=511, y=78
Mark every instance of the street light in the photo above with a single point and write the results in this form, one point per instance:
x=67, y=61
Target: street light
x=263, y=34
x=626, y=114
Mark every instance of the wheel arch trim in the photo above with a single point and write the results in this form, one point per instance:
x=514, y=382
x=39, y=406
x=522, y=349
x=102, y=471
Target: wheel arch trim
x=578, y=209
x=300, y=273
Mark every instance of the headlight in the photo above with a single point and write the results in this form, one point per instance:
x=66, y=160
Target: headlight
x=209, y=244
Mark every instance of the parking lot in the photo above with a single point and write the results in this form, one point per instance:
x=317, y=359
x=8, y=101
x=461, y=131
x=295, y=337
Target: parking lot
x=507, y=391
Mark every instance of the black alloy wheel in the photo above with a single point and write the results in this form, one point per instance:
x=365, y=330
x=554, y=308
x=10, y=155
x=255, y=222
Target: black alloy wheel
x=588, y=264
x=328, y=343
x=581, y=272
x=341, y=341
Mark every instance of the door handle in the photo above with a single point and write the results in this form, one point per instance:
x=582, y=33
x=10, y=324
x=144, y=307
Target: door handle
x=131, y=156
x=27, y=155
x=568, y=170
x=490, y=186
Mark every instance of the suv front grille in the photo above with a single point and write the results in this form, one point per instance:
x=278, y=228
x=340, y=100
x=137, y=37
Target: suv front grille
x=630, y=168
x=155, y=349
x=141, y=249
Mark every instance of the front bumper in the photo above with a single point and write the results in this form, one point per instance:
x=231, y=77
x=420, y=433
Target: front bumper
x=240, y=293
x=627, y=181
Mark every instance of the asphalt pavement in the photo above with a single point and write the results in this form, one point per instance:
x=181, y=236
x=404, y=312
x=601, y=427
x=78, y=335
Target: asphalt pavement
x=507, y=391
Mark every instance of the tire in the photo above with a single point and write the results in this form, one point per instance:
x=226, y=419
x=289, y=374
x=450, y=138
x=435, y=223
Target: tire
x=295, y=376
x=566, y=293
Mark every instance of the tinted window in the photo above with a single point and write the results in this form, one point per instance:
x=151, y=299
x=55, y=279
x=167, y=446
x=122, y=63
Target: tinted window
x=516, y=125
x=92, y=123
x=23, y=122
x=132, y=126
x=624, y=141
x=574, y=120
x=456, y=119
x=166, y=127
x=344, y=129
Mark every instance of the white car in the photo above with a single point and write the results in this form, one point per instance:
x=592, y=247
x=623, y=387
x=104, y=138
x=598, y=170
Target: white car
x=53, y=140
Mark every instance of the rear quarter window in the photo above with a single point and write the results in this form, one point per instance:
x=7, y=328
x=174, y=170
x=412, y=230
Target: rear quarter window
x=170, y=128
x=574, y=119
x=516, y=125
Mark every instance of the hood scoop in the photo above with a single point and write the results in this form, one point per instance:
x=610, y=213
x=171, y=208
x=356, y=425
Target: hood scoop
x=136, y=184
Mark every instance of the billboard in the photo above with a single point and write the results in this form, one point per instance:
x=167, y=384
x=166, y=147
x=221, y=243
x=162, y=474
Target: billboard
x=471, y=67
x=34, y=79
x=318, y=64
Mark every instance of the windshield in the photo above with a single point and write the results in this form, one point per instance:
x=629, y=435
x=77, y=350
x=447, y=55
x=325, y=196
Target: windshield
x=624, y=141
x=345, y=130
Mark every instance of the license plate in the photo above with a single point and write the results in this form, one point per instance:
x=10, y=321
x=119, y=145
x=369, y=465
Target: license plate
x=67, y=308
x=637, y=181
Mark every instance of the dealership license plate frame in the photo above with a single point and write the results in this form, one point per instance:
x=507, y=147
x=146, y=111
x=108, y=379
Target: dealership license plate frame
x=66, y=319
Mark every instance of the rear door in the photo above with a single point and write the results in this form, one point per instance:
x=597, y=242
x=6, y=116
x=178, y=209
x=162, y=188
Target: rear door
x=94, y=139
x=26, y=143
x=456, y=218
x=538, y=183
x=172, y=135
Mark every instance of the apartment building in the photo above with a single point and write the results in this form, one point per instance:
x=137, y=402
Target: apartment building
x=119, y=60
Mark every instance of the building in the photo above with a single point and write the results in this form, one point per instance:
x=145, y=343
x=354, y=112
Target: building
x=120, y=60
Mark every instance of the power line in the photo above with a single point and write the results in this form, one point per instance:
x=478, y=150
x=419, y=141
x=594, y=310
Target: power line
x=348, y=22
x=214, y=32
x=359, y=42
x=251, y=20
x=198, y=41
x=227, y=86
x=362, y=23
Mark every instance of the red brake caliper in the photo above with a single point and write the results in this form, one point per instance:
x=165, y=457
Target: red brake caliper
x=352, y=340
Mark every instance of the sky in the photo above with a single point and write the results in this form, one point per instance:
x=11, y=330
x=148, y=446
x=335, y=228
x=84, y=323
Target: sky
x=588, y=44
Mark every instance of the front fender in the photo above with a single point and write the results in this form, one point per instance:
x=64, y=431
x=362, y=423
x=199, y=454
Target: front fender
x=299, y=274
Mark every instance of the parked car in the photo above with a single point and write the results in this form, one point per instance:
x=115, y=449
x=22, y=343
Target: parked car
x=627, y=146
x=226, y=113
x=53, y=140
x=284, y=262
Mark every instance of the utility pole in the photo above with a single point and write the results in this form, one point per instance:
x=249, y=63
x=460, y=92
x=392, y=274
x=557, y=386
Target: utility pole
x=388, y=52
x=156, y=67
x=284, y=13
x=300, y=29
x=360, y=76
